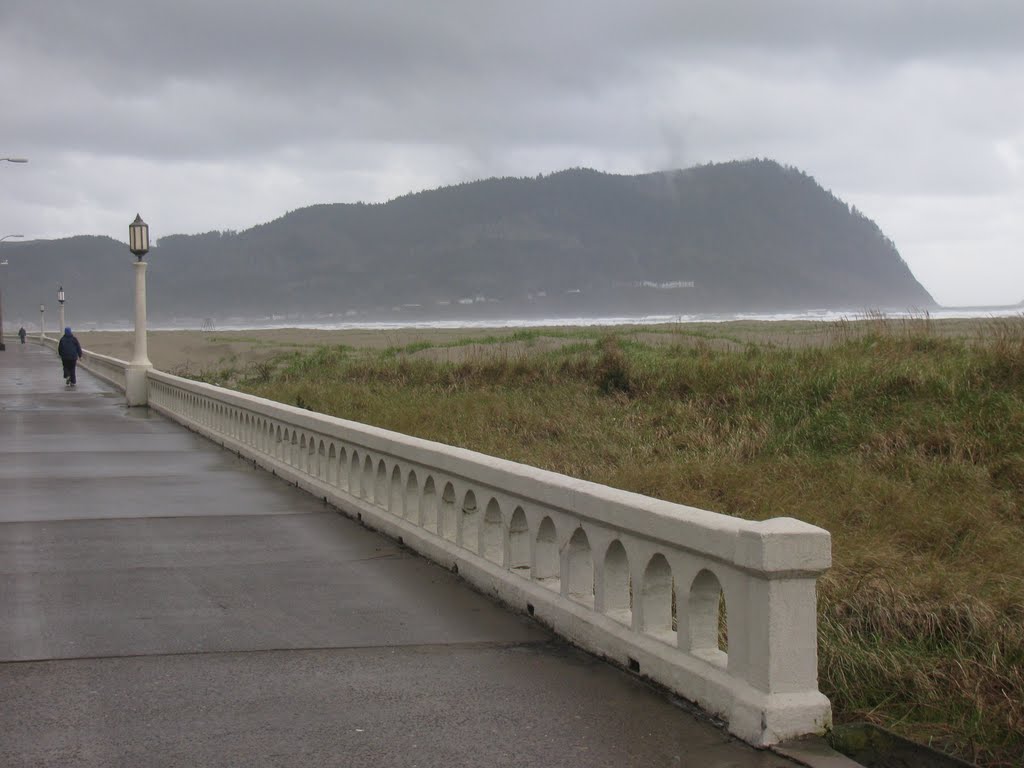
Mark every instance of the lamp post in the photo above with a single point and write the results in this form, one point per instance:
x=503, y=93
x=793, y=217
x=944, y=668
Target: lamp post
x=136, y=387
x=42, y=325
x=3, y=347
x=60, y=300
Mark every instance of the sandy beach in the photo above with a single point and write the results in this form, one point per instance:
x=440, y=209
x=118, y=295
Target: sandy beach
x=194, y=351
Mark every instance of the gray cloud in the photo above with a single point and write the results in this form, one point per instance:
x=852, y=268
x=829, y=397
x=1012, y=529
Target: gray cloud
x=219, y=114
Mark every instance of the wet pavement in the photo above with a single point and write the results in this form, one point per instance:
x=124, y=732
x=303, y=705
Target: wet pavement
x=163, y=603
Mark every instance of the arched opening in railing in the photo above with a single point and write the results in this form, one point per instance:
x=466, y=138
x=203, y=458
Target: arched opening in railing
x=617, y=584
x=547, y=570
x=332, y=465
x=428, y=506
x=519, y=543
x=470, y=523
x=656, y=595
x=449, y=514
x=353, y=474
x=380, y=487
x=412, y=499
x=300, y=457
x=395, y=499
x=309, y=456
x=343, y=468
x=580, y=586
x=293, y=454
x=707, y=619
x=278, y=444
x=493, y=536
x=366, y=480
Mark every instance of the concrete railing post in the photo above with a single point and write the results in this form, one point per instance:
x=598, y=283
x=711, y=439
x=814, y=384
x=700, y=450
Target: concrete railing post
x=136, y=383
x=777, y=647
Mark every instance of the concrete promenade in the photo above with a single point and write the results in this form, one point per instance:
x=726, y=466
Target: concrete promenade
x=163, y=603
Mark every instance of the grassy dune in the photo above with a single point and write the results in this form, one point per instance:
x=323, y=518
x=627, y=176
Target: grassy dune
x=905, y=439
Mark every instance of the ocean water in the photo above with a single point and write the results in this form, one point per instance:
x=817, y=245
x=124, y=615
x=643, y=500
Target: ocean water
x=821, y=315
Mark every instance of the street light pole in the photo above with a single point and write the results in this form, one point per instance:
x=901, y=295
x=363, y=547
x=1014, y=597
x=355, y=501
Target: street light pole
x=3, y=347
x=60, y=299
x=42, y=322
x=136, y=384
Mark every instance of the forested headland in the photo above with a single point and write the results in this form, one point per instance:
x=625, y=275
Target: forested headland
x=740, y=236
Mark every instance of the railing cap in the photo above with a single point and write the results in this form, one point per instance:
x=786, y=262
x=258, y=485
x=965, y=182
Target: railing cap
x=783, y=544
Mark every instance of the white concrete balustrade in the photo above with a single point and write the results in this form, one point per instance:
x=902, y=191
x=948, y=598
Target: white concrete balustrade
x=720, y=610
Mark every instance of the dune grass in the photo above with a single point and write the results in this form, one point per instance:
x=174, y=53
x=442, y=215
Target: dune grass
x=902, y=439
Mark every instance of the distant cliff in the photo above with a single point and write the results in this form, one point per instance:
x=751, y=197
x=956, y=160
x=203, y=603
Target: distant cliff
x=750, y=235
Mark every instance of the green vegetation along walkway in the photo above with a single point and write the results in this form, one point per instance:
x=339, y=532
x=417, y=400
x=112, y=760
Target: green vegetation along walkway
x=165, y=604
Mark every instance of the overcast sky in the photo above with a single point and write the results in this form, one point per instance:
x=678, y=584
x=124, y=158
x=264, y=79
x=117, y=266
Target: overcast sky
x=212, y=114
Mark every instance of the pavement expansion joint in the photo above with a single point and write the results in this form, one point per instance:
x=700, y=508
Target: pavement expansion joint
x=129, y=518
x=465, y=645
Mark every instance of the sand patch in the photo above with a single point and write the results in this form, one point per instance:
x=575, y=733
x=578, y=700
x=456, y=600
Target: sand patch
x=196, y=351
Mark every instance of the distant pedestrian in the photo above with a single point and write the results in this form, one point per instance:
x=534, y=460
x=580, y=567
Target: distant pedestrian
x=70, y=352
x=22, y=334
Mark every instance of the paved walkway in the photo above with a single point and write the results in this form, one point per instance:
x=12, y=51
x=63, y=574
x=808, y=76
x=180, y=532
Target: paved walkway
x=162, y=603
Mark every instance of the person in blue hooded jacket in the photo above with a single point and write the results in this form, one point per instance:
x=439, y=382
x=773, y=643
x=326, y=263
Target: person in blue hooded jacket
x=70, y=352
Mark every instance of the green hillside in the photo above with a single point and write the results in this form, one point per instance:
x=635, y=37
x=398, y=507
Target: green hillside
x=750, y=235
